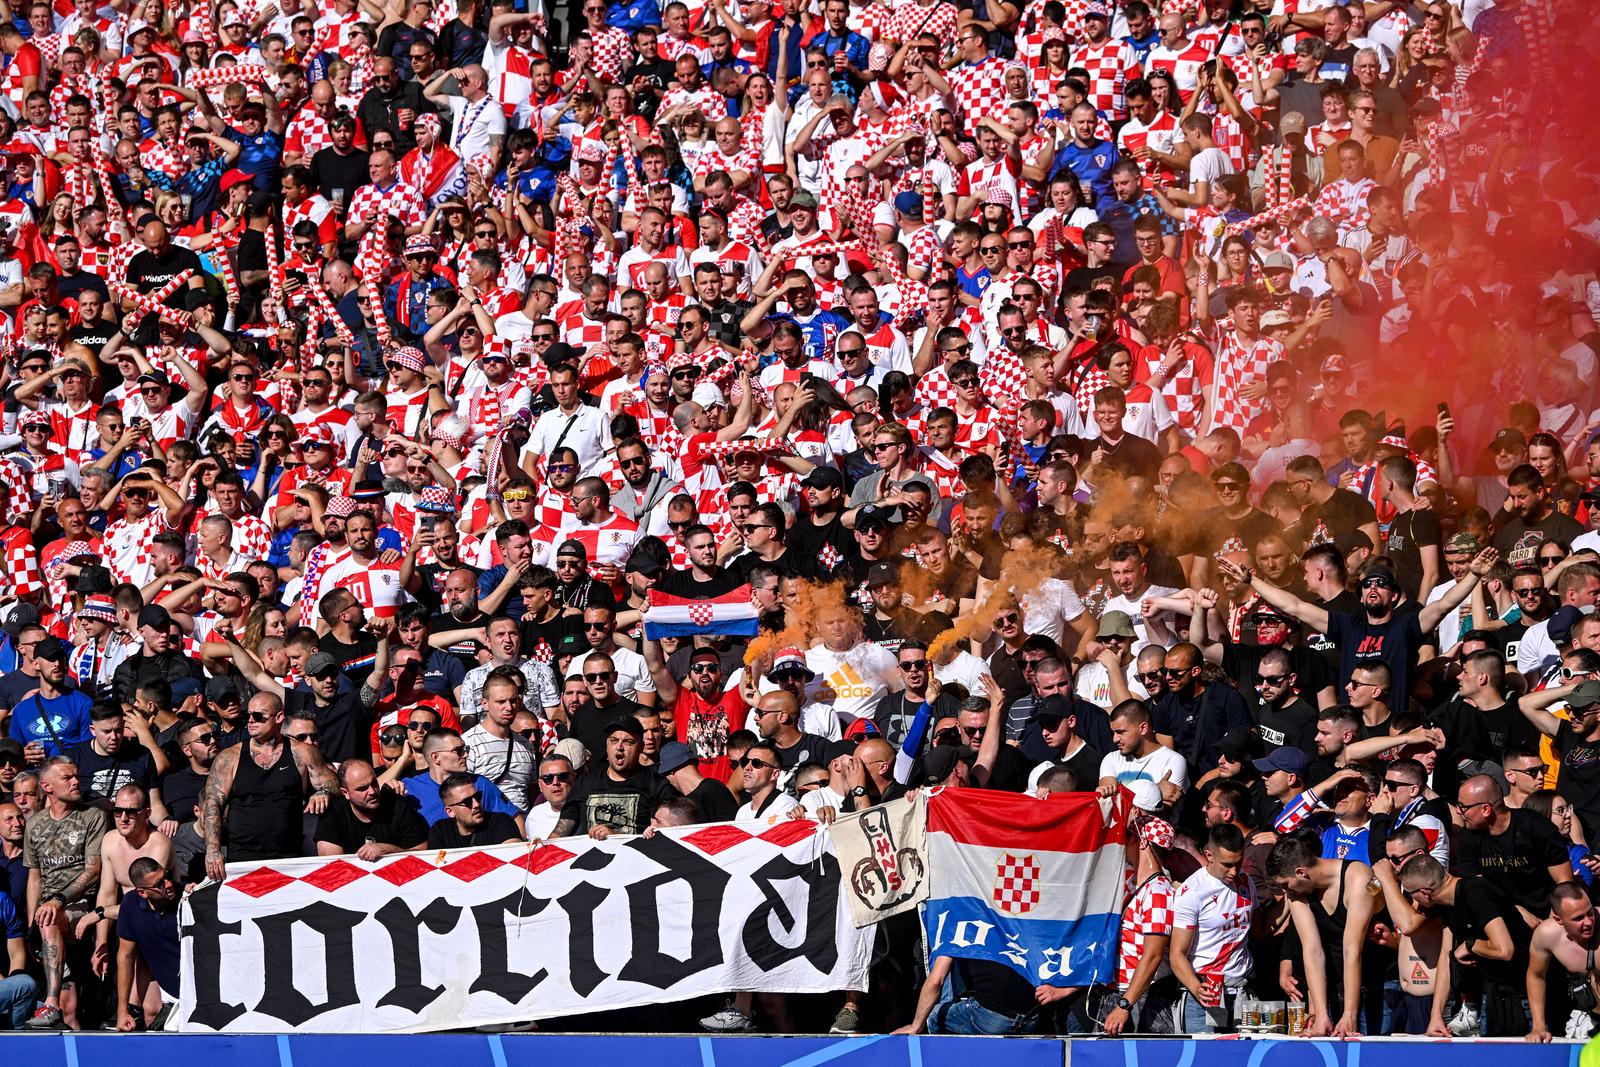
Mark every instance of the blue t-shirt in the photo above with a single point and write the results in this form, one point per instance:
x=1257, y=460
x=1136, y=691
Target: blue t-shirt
x=155, y=934
x=425, y=791
x=68, y=714
x=9, y=920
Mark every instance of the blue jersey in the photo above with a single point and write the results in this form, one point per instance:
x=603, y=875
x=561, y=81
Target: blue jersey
x=1341, y=843
x=1091, y=166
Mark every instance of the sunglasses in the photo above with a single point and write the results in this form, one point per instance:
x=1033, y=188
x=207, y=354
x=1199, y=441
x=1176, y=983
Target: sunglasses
x=1272, y=679
x=597, y=676
x=598, y=627
x=1176, y=672
x=256, y=716
x=130, y=813
x=1227, y=487
x=964, y=383
x=752, y=527
x=471, y=800
x=420, y=727
x=395, y=737
x=305, y=739
x=751, y=761
x=1529, y=591
x=1148, y=677
x=704, y=668
x=789, y=675
x=994, y=250
x=559, y=778
x=633, y=461
x=882, y=445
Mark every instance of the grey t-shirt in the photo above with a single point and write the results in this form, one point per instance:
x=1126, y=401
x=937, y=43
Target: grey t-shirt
x=61, y=848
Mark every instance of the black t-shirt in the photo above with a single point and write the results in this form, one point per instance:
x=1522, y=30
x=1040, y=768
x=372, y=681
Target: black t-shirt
x=1249, y=528
x=1337, y=518
x=339, y=176
x=1519, y=540
x=180, y=792
x=92, y=337
x=1580, y=775
x=1394, y=642
x=354, y=659
x=791, y=564
x=465, y=651
x=68, y=286
x=715, y=802
x=589, y=724
x=497, y=829
x=627, y=806
x=683, y=583
x=1242, y=662
x=1518, y=860
x=810, y=748
x=1479, y=901
x=148, y=271
x=1084, y=765
x=394, y=823
x=1473, y=734
x=1132, y=456
x=1409, y=533
x=101, y=776
x=344, y=726
x=908, y=625
x=1294, y=726
x=997, y=987
x=430, y=587
x=828, y=544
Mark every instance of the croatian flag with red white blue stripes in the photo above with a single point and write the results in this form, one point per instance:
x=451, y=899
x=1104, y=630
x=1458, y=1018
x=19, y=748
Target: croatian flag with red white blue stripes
x=732, y=615
x=1036, y=885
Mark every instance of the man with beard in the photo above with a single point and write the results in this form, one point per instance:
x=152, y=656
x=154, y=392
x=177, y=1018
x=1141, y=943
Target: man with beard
x=706, y=577
x=704, y=712
x=1379, y=633
x=436, y=530
x=156, y=658
x=645, y=489
x=619, y=796
x=822, y=535
x=366, y=821
x=367, y=575
x=1534, y=519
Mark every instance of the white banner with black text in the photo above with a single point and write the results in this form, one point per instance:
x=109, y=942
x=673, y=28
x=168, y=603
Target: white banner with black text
x=450, y=940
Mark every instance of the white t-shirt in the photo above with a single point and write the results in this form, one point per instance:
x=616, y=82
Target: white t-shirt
x=1162, y=628
x=853, y=682
x=777, y=811
x=1093, y=683
x=472, y=125
x=633, y=674
x=1220, y=916
x=1049, y=608
x=1151, y=768
x=965, y=670
x=1207, y=166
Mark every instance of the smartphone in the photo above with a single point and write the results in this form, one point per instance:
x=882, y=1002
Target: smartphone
x=1444, y=409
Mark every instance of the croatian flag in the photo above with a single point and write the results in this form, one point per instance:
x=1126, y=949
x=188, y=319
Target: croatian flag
x=1036, y=885
x=732, y=614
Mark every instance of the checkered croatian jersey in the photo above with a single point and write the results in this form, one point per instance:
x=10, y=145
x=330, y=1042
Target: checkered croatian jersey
x=612, y=51
x=23, y=578
x=1148, y=914
x=1240, y=361
x=1111, y=65
x=252, y=537
x=1185, y=390
x=1161, y=135
x=912, y=19
x=308, y=134
x=127, y=546
x=399, y=201
x=978, y=88
x=712, y=104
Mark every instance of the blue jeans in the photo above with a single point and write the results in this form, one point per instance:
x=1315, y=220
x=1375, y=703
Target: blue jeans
x=18, y=995
x=967, y=1016
x=1199, y=1019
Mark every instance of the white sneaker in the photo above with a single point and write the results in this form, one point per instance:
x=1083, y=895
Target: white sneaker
x=1465, y=1024
x=728, y=1020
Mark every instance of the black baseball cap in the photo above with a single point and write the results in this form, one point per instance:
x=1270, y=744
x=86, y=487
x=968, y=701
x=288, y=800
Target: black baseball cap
x=823, y=477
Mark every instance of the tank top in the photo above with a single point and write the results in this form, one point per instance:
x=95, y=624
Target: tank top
x=1331, y=927
x=264, y=808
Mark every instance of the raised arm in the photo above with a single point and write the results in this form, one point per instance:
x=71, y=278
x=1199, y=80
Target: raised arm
x=1281, y=599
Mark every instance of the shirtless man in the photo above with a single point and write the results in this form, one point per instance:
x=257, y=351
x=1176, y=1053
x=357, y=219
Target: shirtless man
x=1569, y=938
x=135, y=837
x=1420, y=936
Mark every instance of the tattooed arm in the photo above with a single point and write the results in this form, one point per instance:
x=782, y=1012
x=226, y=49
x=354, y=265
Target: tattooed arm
x=213, y=803
x=316, y=773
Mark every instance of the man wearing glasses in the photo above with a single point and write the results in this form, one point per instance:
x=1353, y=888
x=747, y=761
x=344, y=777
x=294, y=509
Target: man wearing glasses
x=468, y=823
x=1519, y=850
